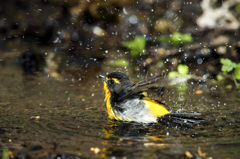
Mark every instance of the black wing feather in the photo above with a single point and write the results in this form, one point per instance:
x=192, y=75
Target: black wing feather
x=134, y=92
x=188, y=119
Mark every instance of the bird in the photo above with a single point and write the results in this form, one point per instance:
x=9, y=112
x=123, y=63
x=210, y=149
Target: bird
x=126, y=102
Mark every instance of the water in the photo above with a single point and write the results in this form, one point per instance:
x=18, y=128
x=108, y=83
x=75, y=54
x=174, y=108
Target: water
x=73, y=119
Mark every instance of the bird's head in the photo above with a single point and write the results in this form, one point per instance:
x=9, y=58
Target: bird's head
x=116, y=82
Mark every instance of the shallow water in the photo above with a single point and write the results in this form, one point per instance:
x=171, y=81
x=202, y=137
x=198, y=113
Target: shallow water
x=73, y=119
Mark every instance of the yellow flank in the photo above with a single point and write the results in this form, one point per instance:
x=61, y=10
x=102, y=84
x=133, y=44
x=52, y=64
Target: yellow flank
x=156, y=109
x=111, y=114
x=114, y=79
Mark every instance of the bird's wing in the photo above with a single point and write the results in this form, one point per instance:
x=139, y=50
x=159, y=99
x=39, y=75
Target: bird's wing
x=147, y=82
x=135, y=91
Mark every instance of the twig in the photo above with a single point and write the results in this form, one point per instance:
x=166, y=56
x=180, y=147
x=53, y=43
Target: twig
x=234, y=79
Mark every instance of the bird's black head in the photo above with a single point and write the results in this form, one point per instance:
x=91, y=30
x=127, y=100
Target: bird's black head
x=116, y=82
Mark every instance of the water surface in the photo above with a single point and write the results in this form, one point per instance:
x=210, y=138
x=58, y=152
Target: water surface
x=73, y=119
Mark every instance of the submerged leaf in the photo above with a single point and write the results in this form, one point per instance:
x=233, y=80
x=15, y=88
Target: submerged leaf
x=182, y=88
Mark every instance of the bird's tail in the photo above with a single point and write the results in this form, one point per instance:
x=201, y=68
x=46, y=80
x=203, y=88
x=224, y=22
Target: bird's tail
x=186, y=119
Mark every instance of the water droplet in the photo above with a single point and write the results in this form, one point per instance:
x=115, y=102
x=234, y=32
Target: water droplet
x=56, y=40
x=199, y=61
x=125, y=11
x=133, y=19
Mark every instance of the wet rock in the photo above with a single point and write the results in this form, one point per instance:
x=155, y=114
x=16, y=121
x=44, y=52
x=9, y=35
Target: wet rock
x=218, y=17
x=29, y=62
x=220, y=40
x=165, y=25
x=221, y=50
x=225, y=119
x=2, y=131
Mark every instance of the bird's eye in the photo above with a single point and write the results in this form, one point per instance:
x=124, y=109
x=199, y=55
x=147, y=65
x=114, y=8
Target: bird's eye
x=111, y=81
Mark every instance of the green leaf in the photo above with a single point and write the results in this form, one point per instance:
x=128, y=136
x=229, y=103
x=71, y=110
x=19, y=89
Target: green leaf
x=229, y=86
x=136, y=46
x=164, y=39
x=172, y=74
x=237, y=8
x=5, y=153
x=228, y=65
x=220, y=77
x=182, y=69
x=237, y=72
x=176, y=39
x=186, y=38
x=118, y=63
x=160, y=64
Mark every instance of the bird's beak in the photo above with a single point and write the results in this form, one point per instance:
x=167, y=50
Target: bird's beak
x=102, y=77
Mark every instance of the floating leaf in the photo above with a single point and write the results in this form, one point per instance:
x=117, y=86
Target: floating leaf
x=198, y=92
x=136, y=46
